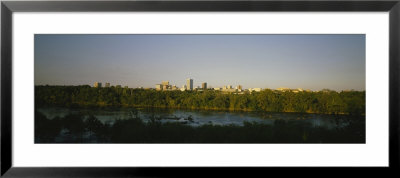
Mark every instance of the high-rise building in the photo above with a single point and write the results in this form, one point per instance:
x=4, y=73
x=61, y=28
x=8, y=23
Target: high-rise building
x=189, y=84
x=204, y=85
x=239, y=87
x=107, y=85
x=97, y=84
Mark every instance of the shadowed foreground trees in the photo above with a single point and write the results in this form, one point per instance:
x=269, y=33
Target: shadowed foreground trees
x=77, y=128
x=324, y=102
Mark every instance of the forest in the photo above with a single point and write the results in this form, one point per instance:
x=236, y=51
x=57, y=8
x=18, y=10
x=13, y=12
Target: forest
x=323, y=102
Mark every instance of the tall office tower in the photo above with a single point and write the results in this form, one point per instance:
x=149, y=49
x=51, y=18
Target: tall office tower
x=97, y=84
x=107, y=85
x=189, y=84
x=239, y=87
x=204, y=85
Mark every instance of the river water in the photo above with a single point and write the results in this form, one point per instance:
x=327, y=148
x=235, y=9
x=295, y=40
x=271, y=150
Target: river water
x=199, y=117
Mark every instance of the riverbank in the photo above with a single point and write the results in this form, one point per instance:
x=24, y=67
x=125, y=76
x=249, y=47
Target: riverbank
x=77, y=106
x=77, y=128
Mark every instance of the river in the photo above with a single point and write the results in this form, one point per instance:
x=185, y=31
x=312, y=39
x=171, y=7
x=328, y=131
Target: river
x=200, y=117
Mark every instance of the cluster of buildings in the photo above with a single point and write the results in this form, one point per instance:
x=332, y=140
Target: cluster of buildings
x=283, y=89
x=99, y=85
x=229, y=88
x=166, y=86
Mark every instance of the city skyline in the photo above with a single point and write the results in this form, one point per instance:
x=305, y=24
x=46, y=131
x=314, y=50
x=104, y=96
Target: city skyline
x=313, y=62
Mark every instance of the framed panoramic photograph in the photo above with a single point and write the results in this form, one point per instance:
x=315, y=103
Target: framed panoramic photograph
x=135, y=88
x=321, y=104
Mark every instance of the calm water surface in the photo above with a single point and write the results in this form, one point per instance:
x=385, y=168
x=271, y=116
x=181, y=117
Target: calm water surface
x=200, y=117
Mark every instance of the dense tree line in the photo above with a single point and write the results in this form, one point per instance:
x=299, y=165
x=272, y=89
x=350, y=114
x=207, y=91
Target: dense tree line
x=329, y=102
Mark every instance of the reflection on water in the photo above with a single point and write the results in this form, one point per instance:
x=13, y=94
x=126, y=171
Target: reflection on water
x=199, y=117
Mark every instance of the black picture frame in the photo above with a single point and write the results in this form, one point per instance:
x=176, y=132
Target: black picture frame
x=8, y=7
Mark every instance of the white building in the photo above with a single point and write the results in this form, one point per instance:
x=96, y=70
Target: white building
x=283, y=89
x=183, y=88
x=158, y=87
x=255, y=89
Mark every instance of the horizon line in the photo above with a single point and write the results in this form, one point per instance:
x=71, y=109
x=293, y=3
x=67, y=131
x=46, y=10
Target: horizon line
x=124, y=86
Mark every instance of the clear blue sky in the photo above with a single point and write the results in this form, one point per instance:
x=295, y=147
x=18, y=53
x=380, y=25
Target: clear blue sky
x=313, y=62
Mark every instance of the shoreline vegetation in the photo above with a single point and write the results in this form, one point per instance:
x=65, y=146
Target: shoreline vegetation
x=322, y=102
x=80, y=128
x=86, y=128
